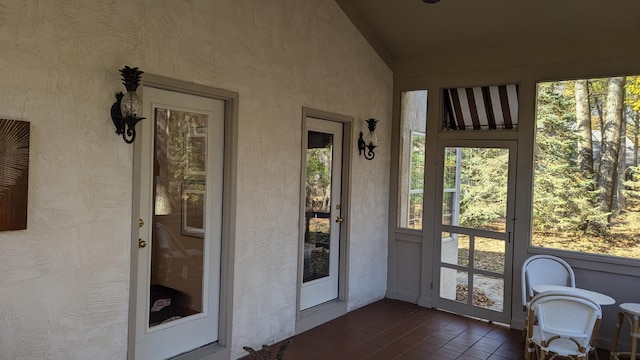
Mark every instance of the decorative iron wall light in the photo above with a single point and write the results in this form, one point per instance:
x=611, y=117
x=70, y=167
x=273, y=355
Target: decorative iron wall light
x=367, y=144
x=127, y=110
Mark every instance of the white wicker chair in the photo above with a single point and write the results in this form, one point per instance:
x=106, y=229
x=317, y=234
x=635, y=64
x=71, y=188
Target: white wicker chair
x=542, y=269
x=566, y=326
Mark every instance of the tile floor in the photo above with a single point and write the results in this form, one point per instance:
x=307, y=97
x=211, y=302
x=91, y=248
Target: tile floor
x=391, y=329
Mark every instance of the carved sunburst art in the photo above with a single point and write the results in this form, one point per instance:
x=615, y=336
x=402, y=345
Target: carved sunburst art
x=14, y=170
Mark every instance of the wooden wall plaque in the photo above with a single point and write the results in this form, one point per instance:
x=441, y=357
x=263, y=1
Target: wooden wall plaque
x=14, y=174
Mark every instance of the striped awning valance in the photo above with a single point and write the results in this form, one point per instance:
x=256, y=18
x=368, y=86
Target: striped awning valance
x=481, y=108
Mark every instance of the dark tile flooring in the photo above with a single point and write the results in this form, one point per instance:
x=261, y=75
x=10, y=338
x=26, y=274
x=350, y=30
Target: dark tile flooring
x=391, y=329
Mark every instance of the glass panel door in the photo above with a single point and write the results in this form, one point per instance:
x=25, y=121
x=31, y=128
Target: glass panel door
x=476, y=228
x=180, y=155
x=322, y=215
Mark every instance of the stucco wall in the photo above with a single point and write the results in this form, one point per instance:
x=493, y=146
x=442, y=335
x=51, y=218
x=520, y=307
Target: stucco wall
x=64, y=281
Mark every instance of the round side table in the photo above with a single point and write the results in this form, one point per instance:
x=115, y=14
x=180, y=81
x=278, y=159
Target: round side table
x=631, y=311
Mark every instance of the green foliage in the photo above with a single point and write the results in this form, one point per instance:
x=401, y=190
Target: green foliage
x=318, y=179
x=450, y=161
x=632, y=111
x=563, y=196
x=416, y=180
x=632, y=188
x=417, y=161
x=632, y=91
x=483, y=186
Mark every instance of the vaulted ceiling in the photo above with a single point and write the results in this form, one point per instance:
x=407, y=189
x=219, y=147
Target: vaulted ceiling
x=400, y=30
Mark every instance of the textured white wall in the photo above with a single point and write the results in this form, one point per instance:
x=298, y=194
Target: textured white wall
x=64, y=281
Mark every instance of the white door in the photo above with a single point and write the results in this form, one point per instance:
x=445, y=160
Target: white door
x=475, y=228
x=181, y=145
x=322, y=215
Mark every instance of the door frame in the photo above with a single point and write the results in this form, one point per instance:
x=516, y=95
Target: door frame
x=222, y=348
x=510, y=230
x=312, y=317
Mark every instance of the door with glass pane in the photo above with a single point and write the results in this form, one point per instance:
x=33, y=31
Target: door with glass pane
x=322, y=212
x=180, y=146
x=474, y=235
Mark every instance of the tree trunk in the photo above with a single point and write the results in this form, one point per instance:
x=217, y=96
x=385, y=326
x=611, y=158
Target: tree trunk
x=596, y=101
x=610, y=143
x=622, y=164
x=583, y=118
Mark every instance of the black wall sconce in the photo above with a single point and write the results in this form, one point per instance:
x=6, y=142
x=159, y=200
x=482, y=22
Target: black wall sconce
x=366, y=146
x=126, y=111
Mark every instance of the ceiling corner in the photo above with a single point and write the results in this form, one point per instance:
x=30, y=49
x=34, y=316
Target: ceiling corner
x=367, y=32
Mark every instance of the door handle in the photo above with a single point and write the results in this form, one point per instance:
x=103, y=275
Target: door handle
x=141, y=243
x=339, y=219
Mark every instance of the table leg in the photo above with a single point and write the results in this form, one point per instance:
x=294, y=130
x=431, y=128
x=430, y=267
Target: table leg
x=616, y=336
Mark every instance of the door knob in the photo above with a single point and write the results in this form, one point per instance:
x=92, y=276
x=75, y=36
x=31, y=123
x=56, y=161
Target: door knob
x=141, y=243
x=339, y=219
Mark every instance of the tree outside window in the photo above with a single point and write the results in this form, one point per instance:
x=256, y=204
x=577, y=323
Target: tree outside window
x=586, y=189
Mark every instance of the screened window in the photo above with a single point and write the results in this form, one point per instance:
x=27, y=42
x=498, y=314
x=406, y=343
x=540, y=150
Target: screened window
x=586, y=178
x=413, y=116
